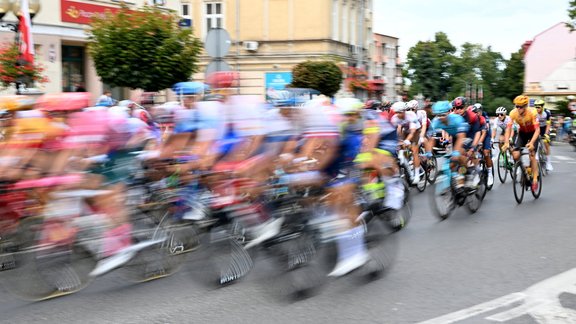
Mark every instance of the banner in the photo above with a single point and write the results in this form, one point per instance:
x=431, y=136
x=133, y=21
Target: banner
x=82, y=13
x=25, y=25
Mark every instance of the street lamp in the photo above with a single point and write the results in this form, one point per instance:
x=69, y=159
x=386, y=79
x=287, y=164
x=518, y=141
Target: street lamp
x=15, y=6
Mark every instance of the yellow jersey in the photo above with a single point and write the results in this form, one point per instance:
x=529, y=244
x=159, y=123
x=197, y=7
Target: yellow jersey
x=527, y=122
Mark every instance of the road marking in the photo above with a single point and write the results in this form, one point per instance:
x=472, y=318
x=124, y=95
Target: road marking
x=563, y=158
x=477, y=309
x=540, y=301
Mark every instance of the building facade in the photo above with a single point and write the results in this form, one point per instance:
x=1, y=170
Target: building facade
x=550, y=65
x=269, y=37
x=60, y=42
x=387, y=67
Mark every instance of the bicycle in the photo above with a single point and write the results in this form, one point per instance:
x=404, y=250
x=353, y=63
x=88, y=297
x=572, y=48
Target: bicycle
x=542, y=157
x=522, y=178
x=448, y=190
x=406, y=164
x=505, y=164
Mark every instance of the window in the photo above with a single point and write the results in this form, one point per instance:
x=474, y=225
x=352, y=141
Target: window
x=345, y=26
x=214, y=15
x=185, y=10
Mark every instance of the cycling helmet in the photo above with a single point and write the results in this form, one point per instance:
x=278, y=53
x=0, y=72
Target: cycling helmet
x=501, y=110
x=399, y=106
x=473, y=108
x=459, y=102
x=441, y=107
x=348, y=105
x=478, y=106
x=521, y=100
x=373, y=104
x=412, y=104
x=539, y=102
x=386, y=104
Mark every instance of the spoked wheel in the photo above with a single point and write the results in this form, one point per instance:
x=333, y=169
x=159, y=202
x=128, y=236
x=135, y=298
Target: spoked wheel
x=46, y=272
x=537, y=193
x=503, y=166
x=542, y=159
x=519, y=182
x=165, y=258
x=432, y=170
x=442, y=197
x=382, y=245
x=474, y=200
x=229, y=261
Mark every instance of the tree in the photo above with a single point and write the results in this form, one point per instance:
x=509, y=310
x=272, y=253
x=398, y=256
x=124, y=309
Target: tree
x=13, y=69
x=324, y=76
x=512, y=81
x=572, y=15
x=429, y=65
x=142, y=49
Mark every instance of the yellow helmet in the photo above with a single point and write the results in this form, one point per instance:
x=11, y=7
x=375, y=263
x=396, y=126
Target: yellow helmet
x=521, y=100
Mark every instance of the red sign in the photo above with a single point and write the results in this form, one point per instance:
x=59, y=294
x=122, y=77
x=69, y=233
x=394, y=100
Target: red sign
x=81, y=13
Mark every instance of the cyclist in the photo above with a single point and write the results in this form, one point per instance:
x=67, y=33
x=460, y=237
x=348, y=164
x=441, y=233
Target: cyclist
x=529, y=130
x=455, y=126
x=426, y=131
x=544, y=116
x=408, y=128
x=473, y=134
x=485, y=139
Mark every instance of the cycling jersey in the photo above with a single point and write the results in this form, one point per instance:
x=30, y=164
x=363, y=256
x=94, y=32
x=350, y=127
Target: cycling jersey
x=423, y=118
x=454, y=125
x=501, y=124
x=544, y=118
x=319, y=120
x=527, y=123
x=409, y=122
x=474, y=121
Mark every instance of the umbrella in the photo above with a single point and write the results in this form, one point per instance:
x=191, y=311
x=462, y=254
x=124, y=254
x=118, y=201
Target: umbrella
x=189, y=88
x=13, y=103
x=64, y=101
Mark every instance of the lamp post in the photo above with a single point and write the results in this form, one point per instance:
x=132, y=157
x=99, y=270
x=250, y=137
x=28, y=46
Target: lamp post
x=15, y=6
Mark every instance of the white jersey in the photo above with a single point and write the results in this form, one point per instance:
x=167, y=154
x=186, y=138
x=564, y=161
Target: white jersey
x=320, y=119
x=409, y=122
x=245, y=115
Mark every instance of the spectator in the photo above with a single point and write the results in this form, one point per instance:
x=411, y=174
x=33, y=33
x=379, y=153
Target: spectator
x=105, y=99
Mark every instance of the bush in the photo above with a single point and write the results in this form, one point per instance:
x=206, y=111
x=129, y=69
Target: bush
x=324, y=76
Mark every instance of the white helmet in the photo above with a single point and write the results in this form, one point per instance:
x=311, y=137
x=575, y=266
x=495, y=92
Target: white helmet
x=348, y=105
x=412, y=104
x=399, y=106
x=501, y=110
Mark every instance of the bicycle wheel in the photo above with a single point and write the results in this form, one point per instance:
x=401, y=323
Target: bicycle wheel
x=542, y=159
x=518, y=182
x=442, y=198
x=474, y=200
x=421, y=185
x=48, y=272
x=432, y=170
x=382, y=245
x=502, y=166
x=537, y=193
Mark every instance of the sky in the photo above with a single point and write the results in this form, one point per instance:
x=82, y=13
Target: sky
x=502, y=24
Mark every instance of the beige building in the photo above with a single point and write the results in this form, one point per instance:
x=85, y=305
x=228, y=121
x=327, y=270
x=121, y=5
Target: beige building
x=60, y=42
x=387, y=67
x=269, y=37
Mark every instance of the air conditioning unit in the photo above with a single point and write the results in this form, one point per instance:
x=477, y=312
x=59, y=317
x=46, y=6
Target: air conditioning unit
x=250, y=46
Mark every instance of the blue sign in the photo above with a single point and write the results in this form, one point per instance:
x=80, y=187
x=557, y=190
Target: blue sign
x=185, y=23
x=278, y=80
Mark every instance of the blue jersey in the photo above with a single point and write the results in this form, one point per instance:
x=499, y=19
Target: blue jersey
x=454, y=125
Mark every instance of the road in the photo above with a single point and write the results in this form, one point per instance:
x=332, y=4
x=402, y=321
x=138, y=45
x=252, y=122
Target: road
x=507, y=263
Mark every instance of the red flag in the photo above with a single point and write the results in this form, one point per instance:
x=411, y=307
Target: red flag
x=26, y=42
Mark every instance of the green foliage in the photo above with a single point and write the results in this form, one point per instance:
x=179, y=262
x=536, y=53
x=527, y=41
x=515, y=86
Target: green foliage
x=491, y=106
x=142, y=49
x=429, y=65
x=324, y=76
x=438, y=73
x=572, y=15
x=562, y=106
x=13, y=69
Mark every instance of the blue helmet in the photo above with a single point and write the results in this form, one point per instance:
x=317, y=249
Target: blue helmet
x=441, y=107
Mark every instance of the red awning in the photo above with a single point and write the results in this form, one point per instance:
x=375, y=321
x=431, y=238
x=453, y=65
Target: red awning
x=376, y=85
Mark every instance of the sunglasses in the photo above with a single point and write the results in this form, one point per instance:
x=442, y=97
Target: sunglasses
x=520, y=107
x=539, y=106
x=501, y=115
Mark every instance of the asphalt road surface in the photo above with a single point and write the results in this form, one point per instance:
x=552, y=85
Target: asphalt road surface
x=507, y=263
